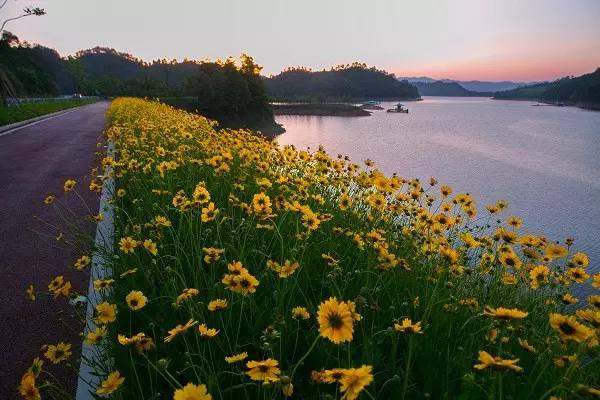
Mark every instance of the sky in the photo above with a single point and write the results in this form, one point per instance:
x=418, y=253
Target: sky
x=519, y=40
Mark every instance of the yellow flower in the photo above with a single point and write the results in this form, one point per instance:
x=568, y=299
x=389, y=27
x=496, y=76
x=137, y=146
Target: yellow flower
x=110, y=384
x=206, y=331
x=594, y=300
x=121, y=192
x=335, y=321
x=408, y=326
x=577, y=274
x=556, y=251
x=212, y=254
x=288, y=389
x=261, y=204
x=515, y=222
x=151, y=247
x=30, y=293
x=27, y=387
x=487, y=361
x=179, y=329
x=58, y=353
x=201, y=195
x=192, y=392
x=354, y=380
x=105, y=313
x=266, y=370
x=539, y=276
x=82, y=262
x=209, y=213
x=101, y=284
x=243, y=283
x=96, y=336
x=344, y=201
x=136, y=300
x=128, y=244
x=596, y=281
x=162, y=221
x=69, y=185
x=580, y=260
x=187, y=293
x=236, y=357
x=300, y=313
x=218, y=304
x=569, y=329
x=505, y=314
x=525, y=345
x=49, y=199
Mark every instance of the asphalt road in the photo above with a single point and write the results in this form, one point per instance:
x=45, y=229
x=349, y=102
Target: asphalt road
x=35, y=161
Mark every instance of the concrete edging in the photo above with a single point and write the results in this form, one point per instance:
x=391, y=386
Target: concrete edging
x=87, y=380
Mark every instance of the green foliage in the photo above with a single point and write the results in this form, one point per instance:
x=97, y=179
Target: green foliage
x=10, y=115
x=351, y=82
x=441, y=88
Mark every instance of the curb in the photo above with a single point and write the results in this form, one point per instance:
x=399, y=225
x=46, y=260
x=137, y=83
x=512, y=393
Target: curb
x=8, y=129
x=88, y=380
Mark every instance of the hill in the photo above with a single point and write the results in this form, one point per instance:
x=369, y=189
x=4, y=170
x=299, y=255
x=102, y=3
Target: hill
x=582, y=91
x=350, y=82
x=473, y=85
x=440, y=88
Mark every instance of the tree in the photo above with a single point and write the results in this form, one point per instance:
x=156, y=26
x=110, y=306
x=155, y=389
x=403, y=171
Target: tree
x=27, y=12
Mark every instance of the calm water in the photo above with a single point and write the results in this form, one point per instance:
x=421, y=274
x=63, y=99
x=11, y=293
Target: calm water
x=544, y=160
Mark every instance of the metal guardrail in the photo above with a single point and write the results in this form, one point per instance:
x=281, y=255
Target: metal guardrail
x=17, y=101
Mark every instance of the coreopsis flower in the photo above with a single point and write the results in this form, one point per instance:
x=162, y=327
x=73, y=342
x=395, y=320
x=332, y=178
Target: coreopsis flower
x=206, y=331
x=486, y=360
x=579, y=260
x=179, y=329
x=110, y=384
x=335, y=321
x=30, y=292
x=218, y=304
x=509, y=279
x=505, y=314
x=101, y=284
x=49, y=199
x=162, y=221
x=345, y=202
x=192, y=392
x=28, y=388
x=568, y=298
x=515, y=222
x=96, y=336
x=408, y=326
x=150, y=246
x=300, y=313
x=243, y=283
x=69, y=185
x=265, y=370
x=186, y=294
x=563, y=361
x=59, y=287
x=209, y=212
x=594, y=300
x=58, y=353
x=106, y=313
x=591, y=315
x=136, y=300
x=261, y=204
x=98, y=217
x=236, y=357
x=128, y=244
x=288, y=389
x=130, y=271
x=569, y=329
x=36, y=366
x=555, y=251
x=596, y=281
x=539, y=276
x=354, y=380
x=201, y=194
x=82, y=262
x=212, y=254
x=525, y=345
x=121, y=192
x=577, y=274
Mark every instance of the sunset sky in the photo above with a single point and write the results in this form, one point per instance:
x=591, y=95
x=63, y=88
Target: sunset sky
x=461, y=39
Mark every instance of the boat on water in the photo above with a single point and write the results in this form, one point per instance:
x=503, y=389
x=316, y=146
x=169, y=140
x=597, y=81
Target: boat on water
x=399, y=109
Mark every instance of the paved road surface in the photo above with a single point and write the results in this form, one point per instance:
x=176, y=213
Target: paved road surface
x=35, y=161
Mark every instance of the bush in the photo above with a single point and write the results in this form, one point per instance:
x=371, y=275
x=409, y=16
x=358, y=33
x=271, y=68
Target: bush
x=10, y=115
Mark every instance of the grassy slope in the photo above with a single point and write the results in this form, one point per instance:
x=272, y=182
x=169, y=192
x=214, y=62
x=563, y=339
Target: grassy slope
x=10, y=115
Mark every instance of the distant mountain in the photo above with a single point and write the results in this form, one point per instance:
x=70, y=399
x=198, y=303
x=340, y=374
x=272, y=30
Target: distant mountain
x=349, y=82
x=441, y=88
x=582, y=91
x=476, y=86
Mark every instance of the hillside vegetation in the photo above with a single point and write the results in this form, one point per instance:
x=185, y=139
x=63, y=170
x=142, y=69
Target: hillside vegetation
x=583, y=91
x=349, y=82
x=440, y=88
x=246, y=270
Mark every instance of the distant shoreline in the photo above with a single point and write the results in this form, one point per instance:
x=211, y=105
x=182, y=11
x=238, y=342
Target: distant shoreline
x=320, y=109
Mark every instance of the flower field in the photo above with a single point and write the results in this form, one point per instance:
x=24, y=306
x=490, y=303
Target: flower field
x=245, y=270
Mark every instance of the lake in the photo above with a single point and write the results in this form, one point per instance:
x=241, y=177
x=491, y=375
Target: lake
x=544, y=160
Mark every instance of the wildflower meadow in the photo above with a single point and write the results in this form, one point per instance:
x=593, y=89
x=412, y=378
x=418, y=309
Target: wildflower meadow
x=246, y=270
